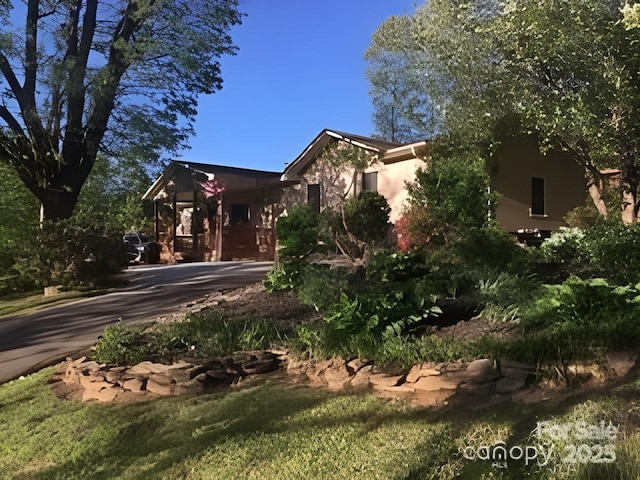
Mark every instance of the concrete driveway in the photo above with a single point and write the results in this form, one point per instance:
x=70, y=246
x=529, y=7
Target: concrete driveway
x=31, y=341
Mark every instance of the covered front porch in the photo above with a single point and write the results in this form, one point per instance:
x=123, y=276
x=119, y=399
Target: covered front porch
x=211, y=212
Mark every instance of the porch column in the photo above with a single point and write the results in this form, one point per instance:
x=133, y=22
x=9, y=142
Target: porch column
x=194, y=225
x=174, y=205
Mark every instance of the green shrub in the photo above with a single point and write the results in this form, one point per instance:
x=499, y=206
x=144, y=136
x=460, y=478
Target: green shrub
x=358, y=323
x=504, y=296
x=321, y=286
x=287, y=276
x=579, y=318
x=606, y=250
x=199, y=336
x=387, y=266
x=70, y=252
x=367, y=216
x=490, y=248
x=611, y=252
x=298, y=231
x=122, y=344
x=448, y=196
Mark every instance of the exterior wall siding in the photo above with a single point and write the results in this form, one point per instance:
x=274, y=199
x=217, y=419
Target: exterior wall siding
x=564, y=186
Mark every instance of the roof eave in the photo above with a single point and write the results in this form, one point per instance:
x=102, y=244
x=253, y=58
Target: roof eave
x=410, y=151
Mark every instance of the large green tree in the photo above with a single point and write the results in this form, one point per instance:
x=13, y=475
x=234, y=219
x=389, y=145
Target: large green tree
x=566, y=71
x=402, y=109
x=82, y=76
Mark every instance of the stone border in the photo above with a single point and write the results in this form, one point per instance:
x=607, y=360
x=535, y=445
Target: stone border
x=479, y=384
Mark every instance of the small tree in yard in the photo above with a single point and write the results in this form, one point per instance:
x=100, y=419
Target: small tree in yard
x=451, y=194
x=361, y=223
x=298, y=231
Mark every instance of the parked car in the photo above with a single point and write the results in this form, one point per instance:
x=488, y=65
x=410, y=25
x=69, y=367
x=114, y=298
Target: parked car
x=140, y=247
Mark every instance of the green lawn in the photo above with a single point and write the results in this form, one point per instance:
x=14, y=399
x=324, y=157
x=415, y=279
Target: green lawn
x=273, y=430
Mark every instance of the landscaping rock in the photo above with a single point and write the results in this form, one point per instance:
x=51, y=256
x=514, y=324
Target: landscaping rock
x=134, y=384
x=426, y=398
x=621, y=362
x=382, y=381
x=107, y=394
x=435, y=383
x=480, y=371
x=361, y=379
x=159, y=384
x=353, y=366
x=422, y=370
x=511, y=384
x=483, y=389
x=336, y=377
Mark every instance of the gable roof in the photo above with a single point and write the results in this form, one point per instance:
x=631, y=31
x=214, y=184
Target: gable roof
x=184, y=173
x=387, y=152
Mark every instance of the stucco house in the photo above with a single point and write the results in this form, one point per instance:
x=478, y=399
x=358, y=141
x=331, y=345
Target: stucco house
x=238, y=220
x=536, y=190
x=387, y=166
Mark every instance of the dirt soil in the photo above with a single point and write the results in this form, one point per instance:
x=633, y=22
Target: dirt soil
x=286, y=312
x=252, y=302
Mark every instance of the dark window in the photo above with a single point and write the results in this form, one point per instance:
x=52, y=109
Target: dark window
x=537, y=196
x=240, y=213
x=313, y=196
x=370, y=181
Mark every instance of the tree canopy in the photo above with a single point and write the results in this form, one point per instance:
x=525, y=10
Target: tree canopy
x=403, y=111
x=563, y=70
x=116, y=76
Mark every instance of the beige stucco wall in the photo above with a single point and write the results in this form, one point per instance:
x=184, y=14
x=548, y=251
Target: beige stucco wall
x=337, y=184
x=564, y=185
x=392, y=179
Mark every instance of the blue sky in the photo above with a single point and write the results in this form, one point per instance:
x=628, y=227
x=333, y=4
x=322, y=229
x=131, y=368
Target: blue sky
x=299, y=69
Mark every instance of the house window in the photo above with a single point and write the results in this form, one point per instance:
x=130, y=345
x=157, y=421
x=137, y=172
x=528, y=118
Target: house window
x=537, y=196
x=370, y=181
x=313, y=196
x=240, y=213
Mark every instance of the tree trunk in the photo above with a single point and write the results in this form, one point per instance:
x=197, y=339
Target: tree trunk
x=595, y=187
x=629, y=187
x=58, y=205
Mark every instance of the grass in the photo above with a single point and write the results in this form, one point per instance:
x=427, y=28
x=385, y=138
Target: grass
x=25, y=302
x=29, y=302
x=279, y=431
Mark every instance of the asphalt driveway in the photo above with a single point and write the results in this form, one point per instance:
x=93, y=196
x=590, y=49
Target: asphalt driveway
x=30, y=341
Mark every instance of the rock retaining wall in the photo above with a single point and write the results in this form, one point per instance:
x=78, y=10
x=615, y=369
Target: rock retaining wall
x=478, y=384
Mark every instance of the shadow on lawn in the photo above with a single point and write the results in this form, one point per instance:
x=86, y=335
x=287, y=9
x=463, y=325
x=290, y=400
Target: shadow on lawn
x=145, y=440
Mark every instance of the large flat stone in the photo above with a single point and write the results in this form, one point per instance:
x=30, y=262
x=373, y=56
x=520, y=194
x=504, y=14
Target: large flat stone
x=382, y=381
x=621, y=362
x=422, y=370
x=134, y=384
x=480, y=371
x=511, y=384
x=435, y=383
x=159, y=384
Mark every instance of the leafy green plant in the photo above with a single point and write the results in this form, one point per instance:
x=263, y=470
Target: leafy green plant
x=307, y=341
x=580, y=319
x=321, y=286
x=285, y=277
x=298, y=231
x=387, y=266
x=504, y=296
x=122, y=344
x=358, y=323
x=199, y=336
x=71, y=252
